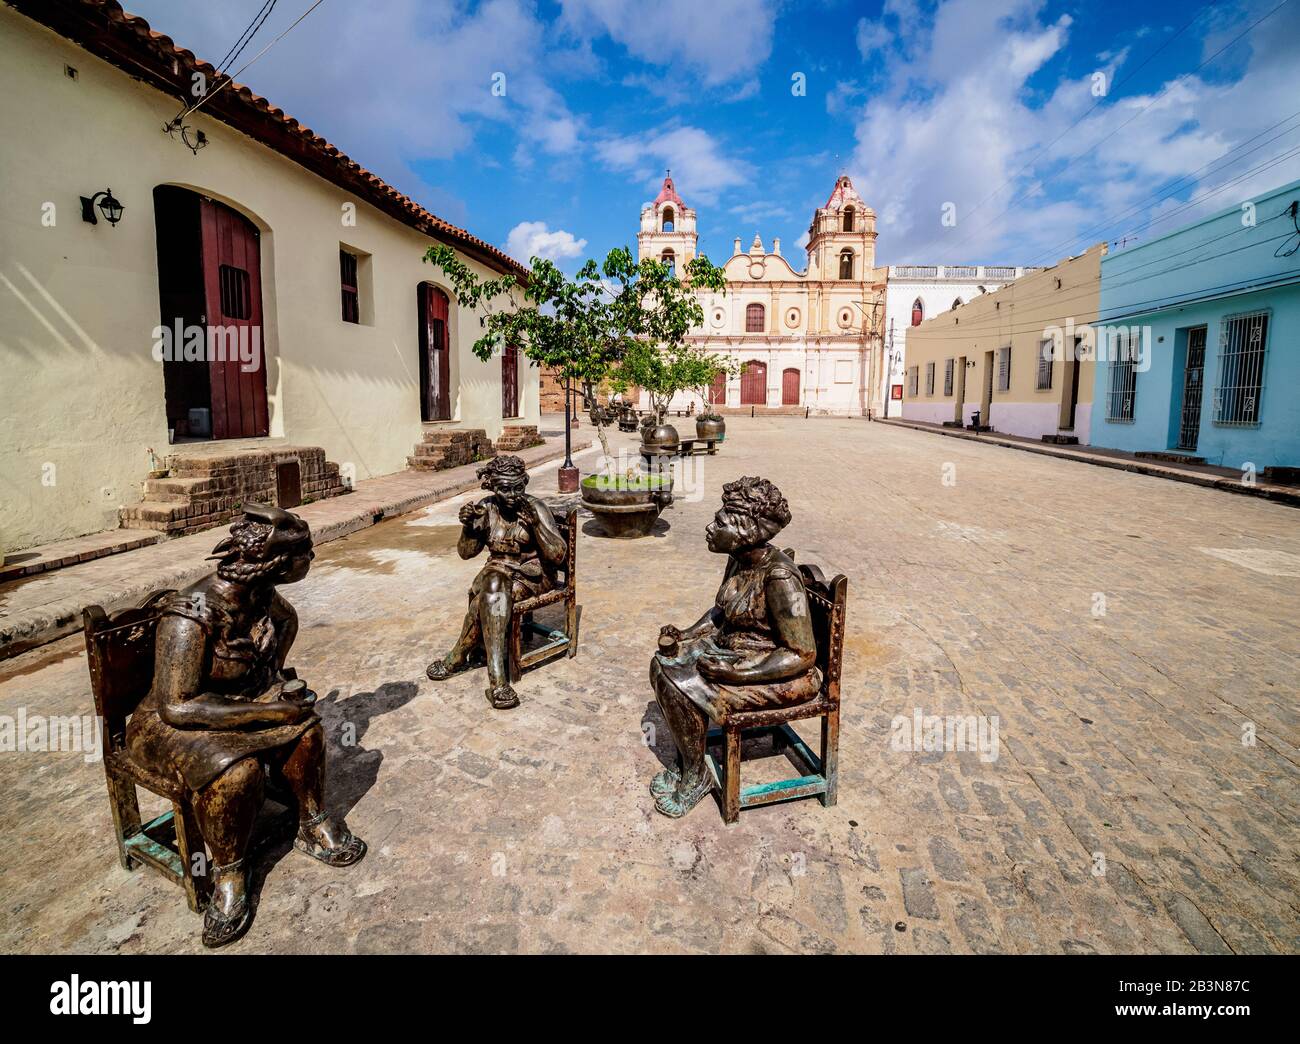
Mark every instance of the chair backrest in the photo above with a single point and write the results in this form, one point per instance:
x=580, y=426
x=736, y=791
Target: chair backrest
x=120, y=650
x=571, y=556
x=826, y=602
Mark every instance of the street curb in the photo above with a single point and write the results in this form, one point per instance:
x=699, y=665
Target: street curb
x=1277, y=494
x=31, y=628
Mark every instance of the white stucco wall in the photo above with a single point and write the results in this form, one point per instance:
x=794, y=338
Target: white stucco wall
x=81, y=397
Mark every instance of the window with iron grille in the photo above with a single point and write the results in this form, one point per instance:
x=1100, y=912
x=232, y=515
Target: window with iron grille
x=929, y=378
x=1122, y=392
x=754, y=318
x=947, y=376
x=348, y=281
x=913, y=375
x=235, y=301
x=1243, y=342
x=1045, y=365
x=1004, y=369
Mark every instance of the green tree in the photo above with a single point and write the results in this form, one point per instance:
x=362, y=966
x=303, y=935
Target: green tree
x=582, y=328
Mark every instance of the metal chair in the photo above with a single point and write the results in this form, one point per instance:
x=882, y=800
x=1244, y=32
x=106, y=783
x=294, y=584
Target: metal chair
x=818, y=775
x=521, y=619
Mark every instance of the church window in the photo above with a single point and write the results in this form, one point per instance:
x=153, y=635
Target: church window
x=846, y=264
x=918, y=312
x=848, y=219
x=668, y=221
x=754, y=318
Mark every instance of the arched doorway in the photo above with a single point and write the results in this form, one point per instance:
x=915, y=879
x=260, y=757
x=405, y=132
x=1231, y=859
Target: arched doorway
x=790, y=387
x=753, y=384
x=210, y=282
x=435, y=352
x=718, y=390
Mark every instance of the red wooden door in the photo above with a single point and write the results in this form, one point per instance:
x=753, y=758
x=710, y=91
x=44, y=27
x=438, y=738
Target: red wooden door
x=718, y=390
x=510, y=381
x=232, y=293
x=790, y=387
x=753, y=384
x=435, y=363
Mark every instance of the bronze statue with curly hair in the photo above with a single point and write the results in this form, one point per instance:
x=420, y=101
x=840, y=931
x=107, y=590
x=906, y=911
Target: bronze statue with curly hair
x=224, y=713
x=525, y=549
x=754, y=647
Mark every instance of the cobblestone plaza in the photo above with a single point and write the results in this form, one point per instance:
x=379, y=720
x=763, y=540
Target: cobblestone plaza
x=1127, y=645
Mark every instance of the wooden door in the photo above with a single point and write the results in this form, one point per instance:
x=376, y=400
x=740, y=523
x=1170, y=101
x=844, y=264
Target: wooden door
x=435, y=362
x=718, y=390
x=753, y=384
x=790, y=387
x=232, y=292
x=510, y=381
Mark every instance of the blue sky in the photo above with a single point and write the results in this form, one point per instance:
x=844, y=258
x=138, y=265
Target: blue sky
x=1047, y=126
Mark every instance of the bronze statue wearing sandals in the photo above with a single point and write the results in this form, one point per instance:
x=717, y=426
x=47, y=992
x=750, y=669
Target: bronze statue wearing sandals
x=224, y=714
x=525, y=550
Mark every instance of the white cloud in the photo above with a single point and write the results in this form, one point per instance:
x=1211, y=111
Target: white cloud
x=700, y=168
x=718, y=41
x=530, y=239
x=960, y=123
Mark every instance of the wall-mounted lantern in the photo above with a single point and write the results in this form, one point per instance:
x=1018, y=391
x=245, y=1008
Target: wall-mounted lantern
x=108, y=206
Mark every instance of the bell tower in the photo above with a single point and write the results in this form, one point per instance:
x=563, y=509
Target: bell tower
x=667, y=228
x=842, y=236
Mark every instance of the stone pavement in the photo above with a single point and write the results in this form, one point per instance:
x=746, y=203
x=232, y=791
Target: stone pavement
x=40, y=608
x=1135, y=639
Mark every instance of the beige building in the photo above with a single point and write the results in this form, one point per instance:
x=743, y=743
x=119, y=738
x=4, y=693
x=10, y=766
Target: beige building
x=1009, y=355
x=806, y=338
x=258, y=286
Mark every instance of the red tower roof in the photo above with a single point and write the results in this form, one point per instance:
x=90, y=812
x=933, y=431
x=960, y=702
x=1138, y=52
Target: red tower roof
x=843, y=193
x=668, y=193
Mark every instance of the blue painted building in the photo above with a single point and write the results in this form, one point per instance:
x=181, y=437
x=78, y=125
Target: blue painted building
x=1213, y=314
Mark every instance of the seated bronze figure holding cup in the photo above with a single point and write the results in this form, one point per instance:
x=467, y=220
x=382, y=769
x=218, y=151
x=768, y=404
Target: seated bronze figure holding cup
x=754, y=647
x=525, y=550
x=224, y=715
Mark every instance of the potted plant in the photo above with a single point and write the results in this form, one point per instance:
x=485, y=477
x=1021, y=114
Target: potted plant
x=627, y=505
x=663, y=370
x=709, y=423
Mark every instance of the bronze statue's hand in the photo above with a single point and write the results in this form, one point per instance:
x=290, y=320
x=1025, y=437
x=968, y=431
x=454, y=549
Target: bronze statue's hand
x=716, y=669
x=669, y=631
x=294, y=711
x=470, y=514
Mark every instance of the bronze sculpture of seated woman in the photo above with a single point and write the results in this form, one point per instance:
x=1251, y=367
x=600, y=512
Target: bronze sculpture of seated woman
x=753, y=649
x=223, y=714
x=525, y=549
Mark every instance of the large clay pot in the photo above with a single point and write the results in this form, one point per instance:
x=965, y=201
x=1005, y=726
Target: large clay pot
x=626, y=512
x=660, y=436
x=710, y=427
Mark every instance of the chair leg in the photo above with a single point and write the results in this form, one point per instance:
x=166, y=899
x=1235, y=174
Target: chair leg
x=731, y=784
x=126, y=815
x=516, y=650
x=571, y=622
x=194, y=857
x=830, y=755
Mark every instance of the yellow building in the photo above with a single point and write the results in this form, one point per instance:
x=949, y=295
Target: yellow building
x=1013, y=355
x=241, y=222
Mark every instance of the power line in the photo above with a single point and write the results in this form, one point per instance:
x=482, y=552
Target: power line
x=249, y=32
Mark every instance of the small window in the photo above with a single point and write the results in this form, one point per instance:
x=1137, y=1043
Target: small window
x=929, y=378
x=670, y=259
x=235, y=299
x=1122, y=392
x=1243, y=340
x=1004, y=369
x=1045, y=365
x=912, y=377
x=846, y=264
x=918, y=312
x=848, y=219
x=348, y=281
x=754, y=316
x=947, y=376
x=669, y=221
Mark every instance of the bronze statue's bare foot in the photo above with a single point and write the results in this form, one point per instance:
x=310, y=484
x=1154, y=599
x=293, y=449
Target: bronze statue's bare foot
x=329, y=840
x=502, y=697
x=228, y=914
x=676, y=804
x=440, y=670
x=665, y=782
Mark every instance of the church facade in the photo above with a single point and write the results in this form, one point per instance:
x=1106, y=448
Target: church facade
x=806, y=339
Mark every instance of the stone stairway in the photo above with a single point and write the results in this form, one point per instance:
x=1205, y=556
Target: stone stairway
x=206, y=489
x=761, y=411
x=444, y=448
x=515, y=437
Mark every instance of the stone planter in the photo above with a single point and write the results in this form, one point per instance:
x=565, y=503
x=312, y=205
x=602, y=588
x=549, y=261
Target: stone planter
x=710, y=427
x=623, y=512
